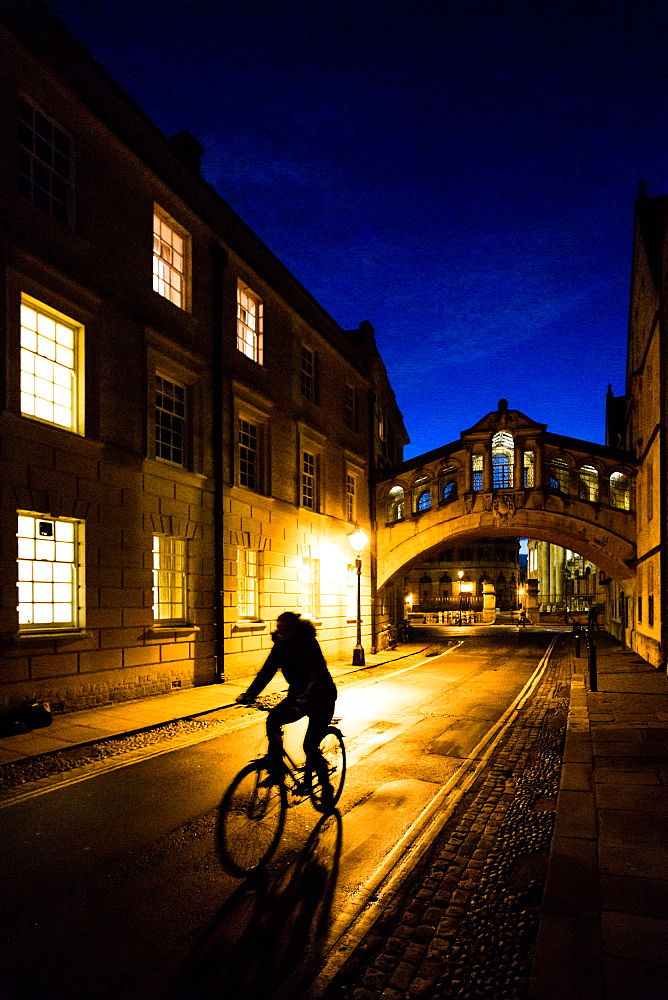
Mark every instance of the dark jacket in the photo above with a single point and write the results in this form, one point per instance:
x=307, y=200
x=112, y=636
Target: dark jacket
x=301, y=662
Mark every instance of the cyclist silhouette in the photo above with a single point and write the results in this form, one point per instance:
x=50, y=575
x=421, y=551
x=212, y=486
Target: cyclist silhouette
x=311, y=690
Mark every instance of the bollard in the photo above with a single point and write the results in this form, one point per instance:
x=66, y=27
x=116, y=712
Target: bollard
x=576, y=630
x=593, y=676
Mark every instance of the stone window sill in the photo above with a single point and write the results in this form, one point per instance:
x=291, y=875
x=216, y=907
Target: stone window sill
x=160, y=631
x=249, y=626
x=51, y=636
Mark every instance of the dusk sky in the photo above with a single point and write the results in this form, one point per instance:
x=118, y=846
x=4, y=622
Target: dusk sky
x=463, y=174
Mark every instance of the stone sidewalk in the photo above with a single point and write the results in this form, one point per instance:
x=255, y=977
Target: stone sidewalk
x=604, y=924
x=80, y=728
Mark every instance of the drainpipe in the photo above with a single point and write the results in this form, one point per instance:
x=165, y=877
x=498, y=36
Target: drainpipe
x=219, y=256
x=373, y=559
x=663, y=507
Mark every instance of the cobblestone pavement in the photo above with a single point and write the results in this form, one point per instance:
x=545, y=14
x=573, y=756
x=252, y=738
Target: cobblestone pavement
x=465, y=922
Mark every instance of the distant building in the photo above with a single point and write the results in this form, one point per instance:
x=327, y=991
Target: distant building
x=187, y=436
x=434, y=585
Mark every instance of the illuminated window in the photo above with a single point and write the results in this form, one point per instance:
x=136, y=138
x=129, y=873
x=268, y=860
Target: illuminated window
x=559, y=476
x=588, y=483
x=248, y=437
x=48, y=572
x=169, y=579
x=476, y=471
x=310, y=580
x=249, y=563
x=309, y=484
x=249, y=324
x=395, y=504
x=170, y=259
x=51, y=363
x=503, y=453
x=620, y=491
x=307, y=374
x=45, y=164
x=350, y=407
x=351, y=489
x=528, y=465
x=170, y=420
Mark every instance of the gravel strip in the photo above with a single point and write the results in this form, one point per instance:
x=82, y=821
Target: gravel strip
x=465, y=923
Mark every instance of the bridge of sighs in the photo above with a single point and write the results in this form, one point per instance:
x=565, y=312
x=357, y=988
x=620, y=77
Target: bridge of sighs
x=507, y=476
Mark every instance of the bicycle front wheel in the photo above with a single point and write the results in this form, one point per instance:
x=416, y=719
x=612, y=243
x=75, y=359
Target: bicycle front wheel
x=251, y=816
x=326, y=771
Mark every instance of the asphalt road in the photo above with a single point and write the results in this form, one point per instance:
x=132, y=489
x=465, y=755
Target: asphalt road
x=112, y=887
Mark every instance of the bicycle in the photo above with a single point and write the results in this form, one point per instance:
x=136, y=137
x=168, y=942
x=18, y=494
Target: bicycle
x=252, y=812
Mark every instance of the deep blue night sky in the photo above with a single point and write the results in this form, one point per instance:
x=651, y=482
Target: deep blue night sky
x=462, y=174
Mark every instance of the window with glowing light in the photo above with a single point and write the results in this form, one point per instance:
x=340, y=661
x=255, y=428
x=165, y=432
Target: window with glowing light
x=48, y=572
x=503, y=454
x=249, y=323
x=249, y=567
x=51, y=366
x=396, y=502
x=588, y=483
x=476, y=472
x=620, y=491
x=45, y=164
x=171, y=252
x=310, y=581
x=169, y=579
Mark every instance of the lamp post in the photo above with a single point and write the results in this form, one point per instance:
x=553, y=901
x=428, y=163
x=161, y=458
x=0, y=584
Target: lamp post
x=358, y=540
x=460, y=574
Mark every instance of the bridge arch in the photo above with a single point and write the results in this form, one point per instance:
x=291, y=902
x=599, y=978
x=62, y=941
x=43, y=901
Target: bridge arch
x=572, y=493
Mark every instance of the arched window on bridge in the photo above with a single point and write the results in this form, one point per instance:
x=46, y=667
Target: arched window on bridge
x=620, y=491
x=588, y=488
x=558, y=476
x=421, y=494
x=503, y=456
x=447, y=484
x=396, y=502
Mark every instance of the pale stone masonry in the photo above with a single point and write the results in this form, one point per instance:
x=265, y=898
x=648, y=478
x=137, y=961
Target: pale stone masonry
x=187, y=437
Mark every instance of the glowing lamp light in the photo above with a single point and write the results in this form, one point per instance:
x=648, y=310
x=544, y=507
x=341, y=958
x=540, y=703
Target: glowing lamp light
x=358, y=539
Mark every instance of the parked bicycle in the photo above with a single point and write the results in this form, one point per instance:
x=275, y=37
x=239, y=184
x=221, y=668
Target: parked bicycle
x=251, y=815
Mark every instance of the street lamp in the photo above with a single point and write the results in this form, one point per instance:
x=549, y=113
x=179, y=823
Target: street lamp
x=358, y=540
x=460, y=574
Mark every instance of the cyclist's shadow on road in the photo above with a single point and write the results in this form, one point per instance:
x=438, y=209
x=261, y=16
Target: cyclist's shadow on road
x=271, y=931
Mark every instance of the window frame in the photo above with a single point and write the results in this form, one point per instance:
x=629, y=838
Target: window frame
x=77, y=389
x=184, y=463
x=183, y=618
x=350, y=497
x=181, y=233
x=77, y=586
x=307, y=373
x=255, y=343
x=244, y=564
x=477, y=471
x=35, y=158
x=309, y=575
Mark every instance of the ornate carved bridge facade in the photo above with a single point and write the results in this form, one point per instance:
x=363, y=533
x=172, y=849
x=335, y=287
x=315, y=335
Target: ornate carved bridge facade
x=507, y=476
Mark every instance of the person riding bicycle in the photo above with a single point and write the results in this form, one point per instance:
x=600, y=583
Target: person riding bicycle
x=311, y=690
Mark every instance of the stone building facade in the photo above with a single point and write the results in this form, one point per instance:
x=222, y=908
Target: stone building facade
x=187, y=436
x=434, y=585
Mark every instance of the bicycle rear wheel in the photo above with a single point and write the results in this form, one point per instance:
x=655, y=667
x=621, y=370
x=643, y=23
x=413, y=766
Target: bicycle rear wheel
x=251, y=816
x=326, y=772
